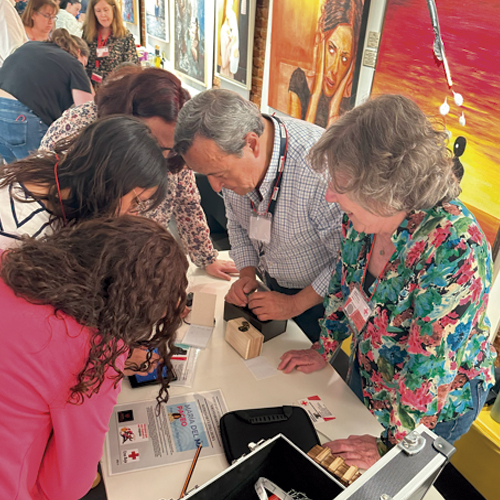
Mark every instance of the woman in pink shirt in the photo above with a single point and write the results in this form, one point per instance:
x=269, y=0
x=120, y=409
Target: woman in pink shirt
x=72, y=305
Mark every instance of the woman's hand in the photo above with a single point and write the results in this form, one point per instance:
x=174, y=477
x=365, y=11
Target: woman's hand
x=306, y=361
x=223, y=269
x=333, y=110
x=360, y=451
x=319, y=67
x=137, y=360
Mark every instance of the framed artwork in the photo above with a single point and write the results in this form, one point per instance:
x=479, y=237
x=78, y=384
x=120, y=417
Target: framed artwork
x=129, y=11
x=193, y=35
x=314, y=57
x=407, y=65
x=157, y=19
x=235, y=24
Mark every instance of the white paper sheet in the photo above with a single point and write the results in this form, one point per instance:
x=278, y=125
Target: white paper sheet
x=261, y=368
x=198, y=336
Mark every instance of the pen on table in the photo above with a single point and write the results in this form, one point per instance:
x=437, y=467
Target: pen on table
x=191, y=469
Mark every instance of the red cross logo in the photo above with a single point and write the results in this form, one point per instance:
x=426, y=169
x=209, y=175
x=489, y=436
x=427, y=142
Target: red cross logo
x=133, y=455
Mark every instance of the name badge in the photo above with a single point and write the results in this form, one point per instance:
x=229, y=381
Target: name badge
x=357, y=309
x=260, y=228
x=96, y=78
x=102, y=51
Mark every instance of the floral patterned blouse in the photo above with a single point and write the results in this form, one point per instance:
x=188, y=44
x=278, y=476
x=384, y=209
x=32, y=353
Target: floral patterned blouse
x=183, y=197
x=427, y=336
x=120, y=50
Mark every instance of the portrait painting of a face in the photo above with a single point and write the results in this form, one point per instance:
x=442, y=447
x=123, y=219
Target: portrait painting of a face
x=157, y=19
x=406, y=65
x=234, y=42
x=314, y=50
x=190, y=38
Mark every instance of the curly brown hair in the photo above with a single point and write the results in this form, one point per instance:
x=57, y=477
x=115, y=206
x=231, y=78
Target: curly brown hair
x=123, y=278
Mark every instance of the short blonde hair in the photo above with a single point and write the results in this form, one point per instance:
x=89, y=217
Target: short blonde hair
x=91, y=24
x=389, y=156
x=34, y=6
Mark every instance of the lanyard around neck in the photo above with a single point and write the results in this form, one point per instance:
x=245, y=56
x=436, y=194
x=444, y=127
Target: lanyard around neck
x=271, y=207
x=366, y=269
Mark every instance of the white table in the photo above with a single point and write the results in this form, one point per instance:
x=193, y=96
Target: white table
x=220, y=367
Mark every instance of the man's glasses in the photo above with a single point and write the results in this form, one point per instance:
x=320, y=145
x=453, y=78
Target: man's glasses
x=175, y=161
x=47, y=16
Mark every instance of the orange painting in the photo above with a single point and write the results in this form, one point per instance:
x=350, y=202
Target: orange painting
x=406, y=65
x=314, y=49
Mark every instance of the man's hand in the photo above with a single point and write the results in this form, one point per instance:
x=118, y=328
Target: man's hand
x=223, y=269
x=360, y=451
x=273, y=305
x=240, y=289
x=137, y=361
x=306, y=361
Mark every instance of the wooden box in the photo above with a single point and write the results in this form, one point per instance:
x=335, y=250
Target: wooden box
x=245, y=339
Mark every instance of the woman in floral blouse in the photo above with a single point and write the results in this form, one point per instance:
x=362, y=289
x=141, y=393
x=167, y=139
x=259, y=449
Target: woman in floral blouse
x=155, y=96
x=412, y=281
x=110, y=43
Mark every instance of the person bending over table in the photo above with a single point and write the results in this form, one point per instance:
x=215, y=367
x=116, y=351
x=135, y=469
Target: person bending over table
x=293, y=240
x=113, y=167
x=155, y=96
x=412, y=282
x=73, y=305
x=38, y=82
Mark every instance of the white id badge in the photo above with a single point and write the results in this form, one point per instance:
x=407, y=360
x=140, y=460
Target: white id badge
x=357, y=309
x=260, y=228
x=102, y=52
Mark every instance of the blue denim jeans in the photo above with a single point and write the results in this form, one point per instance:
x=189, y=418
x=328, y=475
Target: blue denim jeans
x=451, y=430
x=21, y=131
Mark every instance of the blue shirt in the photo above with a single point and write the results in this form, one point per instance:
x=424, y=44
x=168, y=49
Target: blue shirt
x=306, y=229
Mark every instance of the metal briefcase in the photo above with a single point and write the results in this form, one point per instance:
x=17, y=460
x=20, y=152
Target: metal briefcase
x=405, y=473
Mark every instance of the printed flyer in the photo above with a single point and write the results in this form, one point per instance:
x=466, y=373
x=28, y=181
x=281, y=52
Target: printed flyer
x=140, y=438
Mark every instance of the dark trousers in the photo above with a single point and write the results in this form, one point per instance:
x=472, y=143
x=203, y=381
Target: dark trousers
x=308, y=320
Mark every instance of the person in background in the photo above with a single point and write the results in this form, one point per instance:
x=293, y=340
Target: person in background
x=113, y=167
x=412, y=282
x=39, y=19
x=83, y=11
x=256, y=159
x=155, y=96
x=68, y=10
x=110, y=42
x=38, y=82
x=73, y=305
x=20, y=6
x=12, y=32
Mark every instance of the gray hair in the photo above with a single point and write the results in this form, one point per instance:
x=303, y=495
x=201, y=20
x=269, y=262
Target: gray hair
x=220, y=115
x=389, y=156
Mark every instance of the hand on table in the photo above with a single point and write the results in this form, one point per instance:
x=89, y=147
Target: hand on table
x=306, y=361
x=239, y=289
x=223, y=269
x=137, y=361
x=360, y=451
x=272, y=305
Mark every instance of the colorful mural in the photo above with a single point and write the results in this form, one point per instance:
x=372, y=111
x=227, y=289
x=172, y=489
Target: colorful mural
x=313, y=57
x=406, y=65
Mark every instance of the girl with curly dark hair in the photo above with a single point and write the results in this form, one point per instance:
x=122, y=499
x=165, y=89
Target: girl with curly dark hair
x=114, y=166
x=73, y=304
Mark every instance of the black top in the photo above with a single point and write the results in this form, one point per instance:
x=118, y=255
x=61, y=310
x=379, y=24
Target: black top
x=41, y=76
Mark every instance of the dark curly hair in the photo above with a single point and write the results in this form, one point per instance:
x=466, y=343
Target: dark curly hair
x=123, y=278
x=100, y=165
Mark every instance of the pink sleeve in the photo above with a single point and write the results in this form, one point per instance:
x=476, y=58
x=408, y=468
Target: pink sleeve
x=75, y=447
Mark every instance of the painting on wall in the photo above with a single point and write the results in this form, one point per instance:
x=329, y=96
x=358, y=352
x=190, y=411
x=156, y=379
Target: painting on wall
x=157, y=19
x=129, y=13
x=235, y=22
x=406, y=65
x=314, y=57
x=190, y=45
